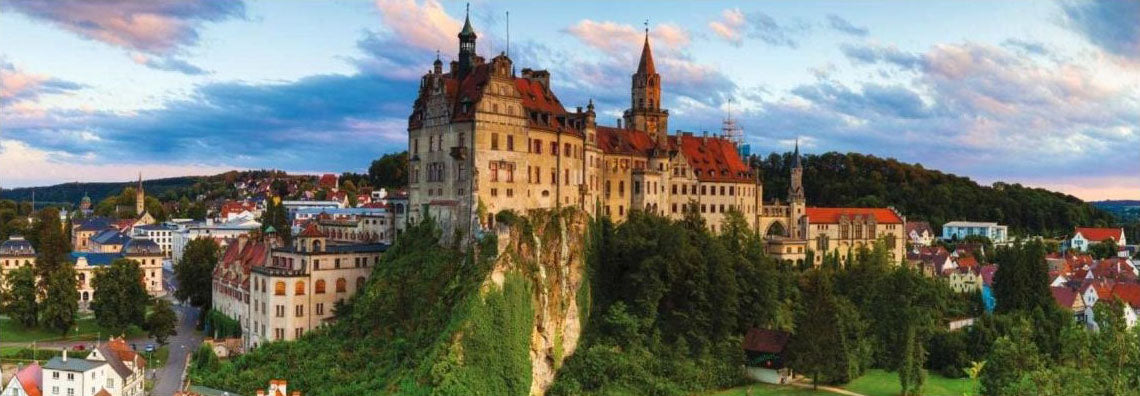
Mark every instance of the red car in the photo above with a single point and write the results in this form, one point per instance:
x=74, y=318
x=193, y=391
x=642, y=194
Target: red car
x=79, y=347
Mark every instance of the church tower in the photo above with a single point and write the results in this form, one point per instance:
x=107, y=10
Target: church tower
x=645, y=111
x=796, y=200
x=466, y=46
x=140, y=198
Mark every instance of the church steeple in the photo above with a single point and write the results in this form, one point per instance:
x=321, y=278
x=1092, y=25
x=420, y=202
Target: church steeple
x=645, y=111
x=140, y=198
x=796, y=184
x=467, y=38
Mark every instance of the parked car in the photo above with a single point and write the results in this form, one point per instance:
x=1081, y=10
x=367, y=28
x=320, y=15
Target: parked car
x=79, y=347
x=150, y=347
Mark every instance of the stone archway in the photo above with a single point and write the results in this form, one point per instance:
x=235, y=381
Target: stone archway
x=776, y=228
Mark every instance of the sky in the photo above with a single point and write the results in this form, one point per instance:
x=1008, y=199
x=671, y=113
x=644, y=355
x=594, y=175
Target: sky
x=1042, y=93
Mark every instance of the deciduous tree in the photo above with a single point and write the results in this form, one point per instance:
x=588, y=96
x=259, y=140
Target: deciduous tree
x=120, y=299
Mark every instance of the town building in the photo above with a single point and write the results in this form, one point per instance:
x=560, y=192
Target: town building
x=126, y=368
x=78, y=377
x=1083, y=237
x=919, y=233
x=16, y=252
x=161, y=234
x=28, y=381
x=82, y=233
x=959, y=230
x=296, y=290
x=292, y=206
x=482, y=140
x=231, y=277
x=221, y=233
x=145, y=252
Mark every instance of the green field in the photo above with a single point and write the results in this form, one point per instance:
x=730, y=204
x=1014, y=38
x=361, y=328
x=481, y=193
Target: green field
x=10, y=331
x=873, y=383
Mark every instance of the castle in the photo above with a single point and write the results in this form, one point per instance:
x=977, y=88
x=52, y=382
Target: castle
x=482, y=140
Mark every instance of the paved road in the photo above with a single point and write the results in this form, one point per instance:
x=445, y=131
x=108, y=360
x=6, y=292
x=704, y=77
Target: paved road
x=169, y=378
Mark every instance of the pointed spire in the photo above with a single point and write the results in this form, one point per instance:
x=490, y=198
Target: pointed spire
x=467, y=31
x=646, y=64
x=796, y=154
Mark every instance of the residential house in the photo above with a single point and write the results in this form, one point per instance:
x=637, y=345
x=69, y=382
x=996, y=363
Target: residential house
x=1085, y=236
x=126, y=368
x=28, y=381
x=919, y=233
x=63, y=376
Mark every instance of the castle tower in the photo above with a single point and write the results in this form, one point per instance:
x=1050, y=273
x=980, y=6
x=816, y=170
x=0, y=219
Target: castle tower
x=645, y=111
x=796, y=200
x=140, y=198
x=466, y=46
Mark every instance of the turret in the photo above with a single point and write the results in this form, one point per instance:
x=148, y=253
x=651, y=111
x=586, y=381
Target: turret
x=467, y=38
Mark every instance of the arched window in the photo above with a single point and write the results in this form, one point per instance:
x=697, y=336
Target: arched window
x=279, y=288
x=341, y=285
x=299, y=289
x=316, y=245
x=320, y=287
x=359, y=283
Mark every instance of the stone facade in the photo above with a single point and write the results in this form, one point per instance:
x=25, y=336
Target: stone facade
x=483, y=140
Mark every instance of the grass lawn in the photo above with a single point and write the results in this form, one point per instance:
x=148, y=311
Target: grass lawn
x=770, y=390
x=10, y=331
x=158, y=360
x=882, y=383
x=873, y=383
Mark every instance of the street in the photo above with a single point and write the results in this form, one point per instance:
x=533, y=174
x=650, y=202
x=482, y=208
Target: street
x=169, y=379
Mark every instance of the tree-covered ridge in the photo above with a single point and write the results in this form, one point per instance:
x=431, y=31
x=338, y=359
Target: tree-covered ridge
x=834, y=179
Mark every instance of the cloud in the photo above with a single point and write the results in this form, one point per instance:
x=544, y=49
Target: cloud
x=734, y=25
x=1109, y=24
x=168, y=63
x=154, y=26
x=1029, y=47
x=874, y=53
x=246, y=125
x=20, y=86
x=975, y=109
x=844, y=26
x=25, y=165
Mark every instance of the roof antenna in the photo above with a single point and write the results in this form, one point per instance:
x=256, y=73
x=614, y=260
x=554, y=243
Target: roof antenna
x=508, y=34
x=646, y=29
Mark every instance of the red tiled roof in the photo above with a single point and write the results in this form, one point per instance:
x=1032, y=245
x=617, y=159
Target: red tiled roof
x=713, y=159
x=311, y=231
x=327, y=180
x=1100, y=234
x=624, y=141
x=31, y=379
x=918, y=227
x=1063, y=296
x=766, y=341
x=967, y=262
x=1128, y=292
x=832, y=215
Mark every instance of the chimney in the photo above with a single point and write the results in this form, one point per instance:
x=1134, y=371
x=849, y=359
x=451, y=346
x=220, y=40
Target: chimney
x=65, y=354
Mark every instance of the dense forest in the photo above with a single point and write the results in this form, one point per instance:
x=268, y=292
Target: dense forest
x=834, y=179
x=71, y=193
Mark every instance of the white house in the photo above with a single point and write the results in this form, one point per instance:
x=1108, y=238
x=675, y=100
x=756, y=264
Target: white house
x=1085, y=236
x=126, y=367
x=27, y=382
x=919, y=233
x=63, y=376
x=961, y=229
x=161, y=234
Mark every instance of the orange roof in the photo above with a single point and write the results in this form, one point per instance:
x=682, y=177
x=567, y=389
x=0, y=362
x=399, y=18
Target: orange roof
x=624, y=141
x=1128, y=292
x=713, y=159
x=31, y=379
x=967, y=262
x=311, y=231
x=1100, y=234
x=103, y=392
x=832, y=215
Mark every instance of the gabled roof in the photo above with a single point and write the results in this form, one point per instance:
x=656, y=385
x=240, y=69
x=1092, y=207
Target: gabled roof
x=624, y=141
x=1064, y=296
x=918, y=227
x=1128, y=292
x=1100, y=234
x=832, y=215
x=72, y=364
x=765, y=340
x=31, y=379
x=312, y=231
x=713, y=159
x=112, y=359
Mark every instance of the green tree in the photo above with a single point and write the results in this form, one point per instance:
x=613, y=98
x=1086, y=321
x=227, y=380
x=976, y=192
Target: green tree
x=120, y=299
x=1102, y=250
x=818, y=347
x=161, y=323
x=21, y=305
x=1011, y=363
x=52, y=246
x=194, y=273
x=390, y=171
x=911, y=374
x=61, y=302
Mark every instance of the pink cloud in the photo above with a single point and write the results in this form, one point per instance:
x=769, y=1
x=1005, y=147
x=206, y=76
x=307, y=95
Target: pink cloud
x=28, y=166
x=621, y=40
x=426, y=26
x=730, y=26
x=154, y=26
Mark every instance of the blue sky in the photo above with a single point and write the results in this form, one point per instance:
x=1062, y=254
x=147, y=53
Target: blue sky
x=1042, y=93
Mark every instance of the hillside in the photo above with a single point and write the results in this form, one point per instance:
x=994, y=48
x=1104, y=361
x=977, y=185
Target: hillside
x=434, y=320
x=72, y=193
x=1126, y=210
x=835, y=179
